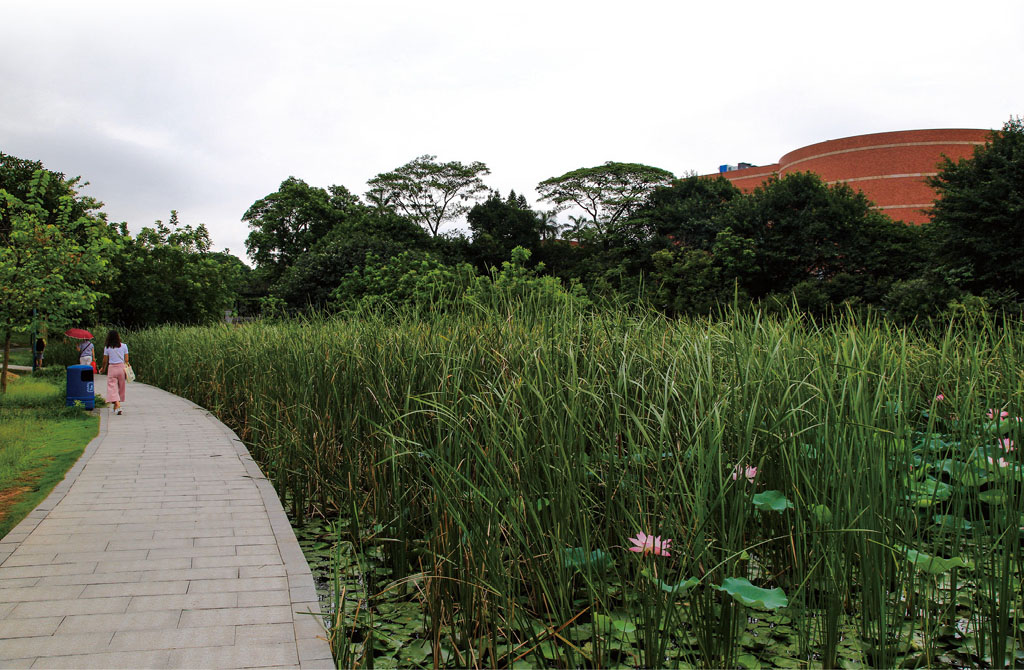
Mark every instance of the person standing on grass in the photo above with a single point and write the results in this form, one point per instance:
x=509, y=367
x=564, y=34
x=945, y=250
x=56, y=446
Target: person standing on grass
x=40, y=345
x=115, y=355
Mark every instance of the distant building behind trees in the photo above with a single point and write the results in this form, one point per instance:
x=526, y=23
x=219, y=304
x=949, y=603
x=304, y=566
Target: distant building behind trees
x=892, y=169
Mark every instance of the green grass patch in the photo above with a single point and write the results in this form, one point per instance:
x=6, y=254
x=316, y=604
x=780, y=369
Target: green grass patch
x=32, y=392
x=40, y=439
x=20, y=358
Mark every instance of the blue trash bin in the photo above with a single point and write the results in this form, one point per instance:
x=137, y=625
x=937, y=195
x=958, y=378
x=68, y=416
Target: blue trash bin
x=80, y=386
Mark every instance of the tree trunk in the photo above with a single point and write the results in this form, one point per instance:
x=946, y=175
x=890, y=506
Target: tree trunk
x=7, y=356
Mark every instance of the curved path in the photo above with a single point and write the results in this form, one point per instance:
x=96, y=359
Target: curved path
x=165, y=547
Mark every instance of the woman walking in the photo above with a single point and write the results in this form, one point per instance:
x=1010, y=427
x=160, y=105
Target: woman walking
x=115, y=356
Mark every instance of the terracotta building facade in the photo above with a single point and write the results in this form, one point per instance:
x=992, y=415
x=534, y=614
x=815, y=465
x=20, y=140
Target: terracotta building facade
x=890, y=168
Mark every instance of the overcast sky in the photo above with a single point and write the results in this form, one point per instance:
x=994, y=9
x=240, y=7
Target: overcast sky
x=204, y=107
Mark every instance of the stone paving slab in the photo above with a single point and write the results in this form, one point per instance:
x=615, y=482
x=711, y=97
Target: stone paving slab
x=164, y=547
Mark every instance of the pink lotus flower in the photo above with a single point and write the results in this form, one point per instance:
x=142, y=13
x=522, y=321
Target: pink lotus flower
x=1001, y=462
x=992, y=414
x=649, y=544
x=1006, y=444
x=748, y=471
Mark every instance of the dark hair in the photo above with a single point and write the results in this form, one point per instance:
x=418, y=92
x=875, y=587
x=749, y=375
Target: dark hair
x=113, y=340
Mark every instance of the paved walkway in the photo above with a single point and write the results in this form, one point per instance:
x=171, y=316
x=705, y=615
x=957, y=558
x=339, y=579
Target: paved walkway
x=165, y=547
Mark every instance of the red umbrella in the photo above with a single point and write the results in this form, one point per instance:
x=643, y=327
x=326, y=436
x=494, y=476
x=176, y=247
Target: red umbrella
x=78, y=333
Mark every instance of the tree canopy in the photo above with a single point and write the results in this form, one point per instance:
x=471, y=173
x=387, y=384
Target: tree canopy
x=54, y=251
x=802, y=229
x=427, y=192
x=499, y=226
x=313, y=277
x=683, y=212
x=167, y=274
x=287, y=223
x=607, y=193
x=683, y=245
x=978, y=217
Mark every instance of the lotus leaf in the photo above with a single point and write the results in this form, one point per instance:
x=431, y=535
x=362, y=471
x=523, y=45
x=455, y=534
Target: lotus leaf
x=679, y=589
x=929, y=492
x=821, y=513
x=999, y=428
x=617, y=624
x=934, y=565
x=974, y=476
x=771, y=501
x=416, y=652
x=992, y=497
x=577, y=558
x=933, y=443
x=952, y=522
x=747, y=594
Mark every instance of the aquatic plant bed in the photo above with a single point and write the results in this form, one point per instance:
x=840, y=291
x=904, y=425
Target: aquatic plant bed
x=528, y=488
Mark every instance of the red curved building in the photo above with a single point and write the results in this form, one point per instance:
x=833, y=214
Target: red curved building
x=890, y=168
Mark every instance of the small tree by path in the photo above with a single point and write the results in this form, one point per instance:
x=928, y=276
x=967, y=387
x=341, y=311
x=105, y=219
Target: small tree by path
x=50, y=259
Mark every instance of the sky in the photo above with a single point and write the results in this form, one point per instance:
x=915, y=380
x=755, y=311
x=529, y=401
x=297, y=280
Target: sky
x=205, y=107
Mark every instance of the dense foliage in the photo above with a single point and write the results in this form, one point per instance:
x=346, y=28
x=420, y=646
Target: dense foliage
x=978, y=220
x=167, y=274
x=289, y=222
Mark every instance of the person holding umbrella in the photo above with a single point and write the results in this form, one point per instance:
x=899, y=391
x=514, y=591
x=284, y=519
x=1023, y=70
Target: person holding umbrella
x=86, y=350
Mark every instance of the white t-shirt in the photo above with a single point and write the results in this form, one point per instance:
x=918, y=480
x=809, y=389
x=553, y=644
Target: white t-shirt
x=116, y=355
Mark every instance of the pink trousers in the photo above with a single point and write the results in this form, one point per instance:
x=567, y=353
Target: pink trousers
x=115, y=382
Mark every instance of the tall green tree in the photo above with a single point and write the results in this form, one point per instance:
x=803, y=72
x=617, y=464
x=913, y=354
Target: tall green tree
x=824, y=243
x=498, y=227
x=802, y=229
x=978, y=218
x=62, y=199
x=684, y=212
x=54, y=250
x=310, y=281
x=608, y=193
x=427, y=192
x=680, y=216
x=167, y=274
x=287, y=223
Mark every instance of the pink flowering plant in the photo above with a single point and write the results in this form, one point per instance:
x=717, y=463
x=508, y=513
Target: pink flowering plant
x=992, y=413
x=653, y=597
x=650, y=544
x=749, y=472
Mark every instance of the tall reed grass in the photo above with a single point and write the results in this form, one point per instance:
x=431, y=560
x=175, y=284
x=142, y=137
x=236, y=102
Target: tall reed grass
x=497, y=461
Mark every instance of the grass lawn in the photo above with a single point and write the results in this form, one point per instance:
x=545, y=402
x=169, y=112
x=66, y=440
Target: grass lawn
x=40, y=439
x=20, y=357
